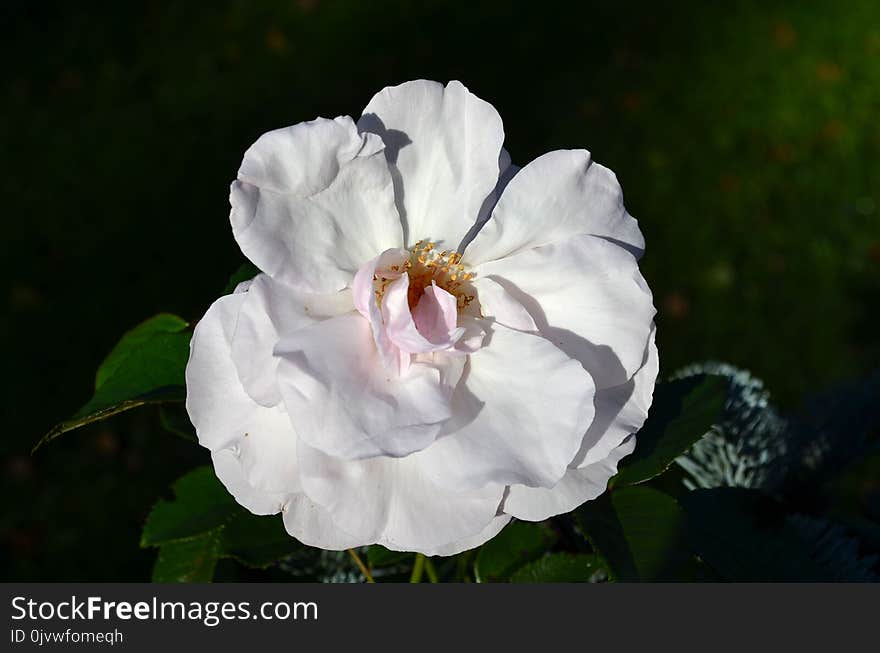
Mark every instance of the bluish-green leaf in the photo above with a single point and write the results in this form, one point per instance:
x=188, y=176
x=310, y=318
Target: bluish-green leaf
x=562, y=568
x=639, y=532
x=146, y=366
x=682, y=412
x=744, y=536
x=518, y=544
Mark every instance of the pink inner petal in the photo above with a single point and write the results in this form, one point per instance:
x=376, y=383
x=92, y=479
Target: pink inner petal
x=362, y=288
x=401, y=327
x=436, y=314
x=364, y=297
x=397, y=331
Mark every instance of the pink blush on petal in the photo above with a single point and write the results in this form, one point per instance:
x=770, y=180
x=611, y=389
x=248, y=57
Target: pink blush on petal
x=436, y=315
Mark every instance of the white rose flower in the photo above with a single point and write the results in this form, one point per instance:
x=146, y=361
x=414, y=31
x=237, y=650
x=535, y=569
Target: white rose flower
x=439, y=340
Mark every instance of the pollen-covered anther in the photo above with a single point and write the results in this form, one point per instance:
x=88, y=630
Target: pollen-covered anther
x=426, y=265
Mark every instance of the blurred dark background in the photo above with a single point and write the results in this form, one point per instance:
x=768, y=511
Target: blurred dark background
x=746, y=139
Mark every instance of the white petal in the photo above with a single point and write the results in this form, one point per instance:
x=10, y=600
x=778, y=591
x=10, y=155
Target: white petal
x=521, y=410
x=390, y=501
x=303, y=519
x=313, y=202
x=557, y=196
x=219, y=408
x=587, y=296
x=475, y=330
x=347, y=404
x=468, y=543
x=271, y=309
x=215, y=401
x=267, y=452
x=258, y=465
x=228, y=470
x=312, y=525
x=576, y=487
x=496, y=302
x=445, y=144
x=620, y=410
x=225, y=417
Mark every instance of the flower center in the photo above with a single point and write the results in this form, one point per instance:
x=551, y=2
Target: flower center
x=425, y=266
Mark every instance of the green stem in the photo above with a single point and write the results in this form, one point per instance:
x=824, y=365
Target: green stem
x=432, y=573
x=360, y=563
x=418, y=568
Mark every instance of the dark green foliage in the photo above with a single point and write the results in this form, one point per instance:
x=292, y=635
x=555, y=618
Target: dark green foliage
x=747, y=536
x=562, y=568
x=806, y=462
x=744, y=536
x=203, y=524
x=840, y=425
x=173, y=418
x=639, y=532
x=379, y=556
x=200, y=504
x=516, y=545
x=188, y=561
x=389, y=565
x=682, y=412
x=146, y=366
x=245, y=272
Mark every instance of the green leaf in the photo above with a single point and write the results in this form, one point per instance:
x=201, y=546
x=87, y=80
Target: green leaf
x=146, y=366
x=519, y=543
x=201, y=504
x=203, y=523
x=188, y=561
x=682, y=412
x=257, y=541
x=562, y=568
x=174, y=419
x=379, y=556
x=639, y=532
x=145, y=336
x=245, y=272
x=744, y=536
